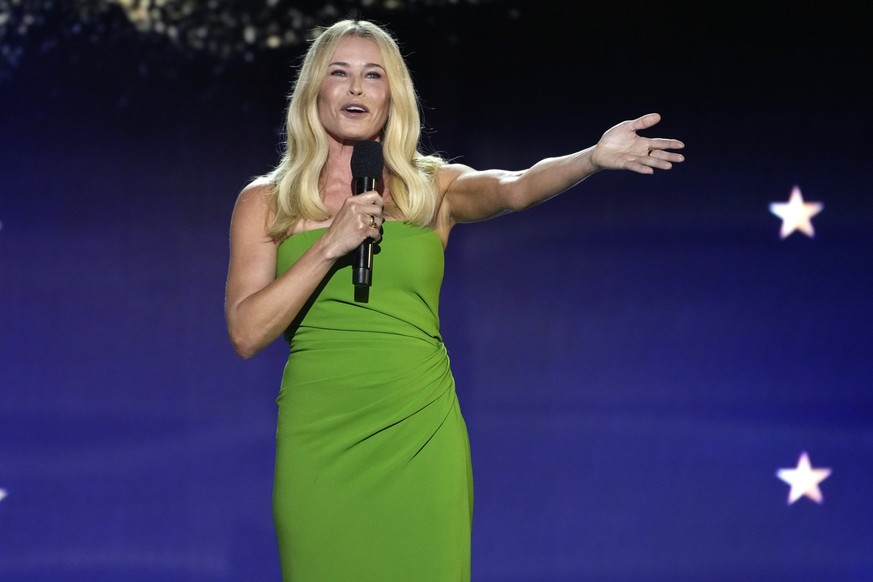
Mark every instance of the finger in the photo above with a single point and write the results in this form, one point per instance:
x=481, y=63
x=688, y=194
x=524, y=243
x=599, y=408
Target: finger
x=665, y=156
x=640, y=167
x=371, y=197
x=646, y=121
x=368, y=210
x=658, y=159
x=362, y=206
x=365, y=219
x=662, y=143
x=374, y=227
x=371, y=218
x=671, y=157
x=374, y=221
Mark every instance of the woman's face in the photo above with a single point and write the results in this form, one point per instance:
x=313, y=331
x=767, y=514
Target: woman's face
x=354, y=97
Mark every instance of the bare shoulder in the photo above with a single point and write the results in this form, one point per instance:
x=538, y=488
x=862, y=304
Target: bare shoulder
x=253, y=203
x=256, y=193
x=448, y=173
x=251, y=214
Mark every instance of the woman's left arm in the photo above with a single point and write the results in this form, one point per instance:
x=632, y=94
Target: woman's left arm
x=472, y=195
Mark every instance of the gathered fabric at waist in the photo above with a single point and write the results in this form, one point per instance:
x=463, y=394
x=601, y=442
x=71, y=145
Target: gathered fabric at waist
x=359, y=384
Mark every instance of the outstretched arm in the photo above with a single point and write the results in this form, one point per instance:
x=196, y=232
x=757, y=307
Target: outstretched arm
x=472, y=195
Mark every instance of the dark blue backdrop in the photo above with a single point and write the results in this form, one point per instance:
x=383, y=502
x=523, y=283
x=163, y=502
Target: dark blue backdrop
x=635, y=359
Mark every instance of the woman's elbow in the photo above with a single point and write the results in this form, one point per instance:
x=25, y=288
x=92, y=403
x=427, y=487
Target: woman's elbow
x=244, y=352
x=243, y=344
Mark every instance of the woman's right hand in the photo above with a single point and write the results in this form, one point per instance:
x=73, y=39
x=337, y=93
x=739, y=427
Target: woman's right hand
x=359, y=218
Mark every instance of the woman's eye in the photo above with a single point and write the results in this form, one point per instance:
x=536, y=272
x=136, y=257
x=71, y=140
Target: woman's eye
x=338, y=73
x=374, y=75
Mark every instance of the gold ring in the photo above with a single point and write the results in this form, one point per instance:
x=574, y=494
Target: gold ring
x=372, y=221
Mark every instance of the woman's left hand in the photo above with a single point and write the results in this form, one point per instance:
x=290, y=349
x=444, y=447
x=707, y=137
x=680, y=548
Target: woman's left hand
x=620, y=148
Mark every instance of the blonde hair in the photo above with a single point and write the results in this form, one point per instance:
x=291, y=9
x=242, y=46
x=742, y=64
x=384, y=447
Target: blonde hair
x=295, y=181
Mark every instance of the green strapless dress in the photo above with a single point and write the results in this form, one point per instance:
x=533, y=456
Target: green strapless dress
x=373, y=479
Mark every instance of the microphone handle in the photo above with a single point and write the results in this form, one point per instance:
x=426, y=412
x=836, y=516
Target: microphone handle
x=362, y=269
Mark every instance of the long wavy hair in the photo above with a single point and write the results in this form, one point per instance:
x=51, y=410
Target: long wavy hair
x=295, y=181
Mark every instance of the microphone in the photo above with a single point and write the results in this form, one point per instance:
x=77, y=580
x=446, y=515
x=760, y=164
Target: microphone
x=367, y=163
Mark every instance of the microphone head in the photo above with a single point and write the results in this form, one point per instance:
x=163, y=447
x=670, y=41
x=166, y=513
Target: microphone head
x=367, y=160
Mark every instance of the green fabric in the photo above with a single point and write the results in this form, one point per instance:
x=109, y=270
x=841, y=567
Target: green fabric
x=373, y=479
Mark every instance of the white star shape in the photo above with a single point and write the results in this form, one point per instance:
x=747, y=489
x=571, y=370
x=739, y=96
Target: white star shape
x=2, y=494
x=796, y=214
x=804, y=480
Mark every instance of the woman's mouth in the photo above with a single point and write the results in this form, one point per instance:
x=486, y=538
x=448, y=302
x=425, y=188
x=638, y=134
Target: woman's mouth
x=355, y=109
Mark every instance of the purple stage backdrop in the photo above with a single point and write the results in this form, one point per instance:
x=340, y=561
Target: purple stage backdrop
x=645, y=364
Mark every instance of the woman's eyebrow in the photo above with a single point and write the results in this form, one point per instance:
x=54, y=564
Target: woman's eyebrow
x=345, y=64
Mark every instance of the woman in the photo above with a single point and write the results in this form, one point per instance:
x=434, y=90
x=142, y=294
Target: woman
x=372, y=478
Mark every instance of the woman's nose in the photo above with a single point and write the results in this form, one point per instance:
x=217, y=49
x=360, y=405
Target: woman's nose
x=355, y=87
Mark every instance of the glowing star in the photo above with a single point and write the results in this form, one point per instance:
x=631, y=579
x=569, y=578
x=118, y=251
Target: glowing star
x=2, y=494
x=804, y=480
x=796, y=214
